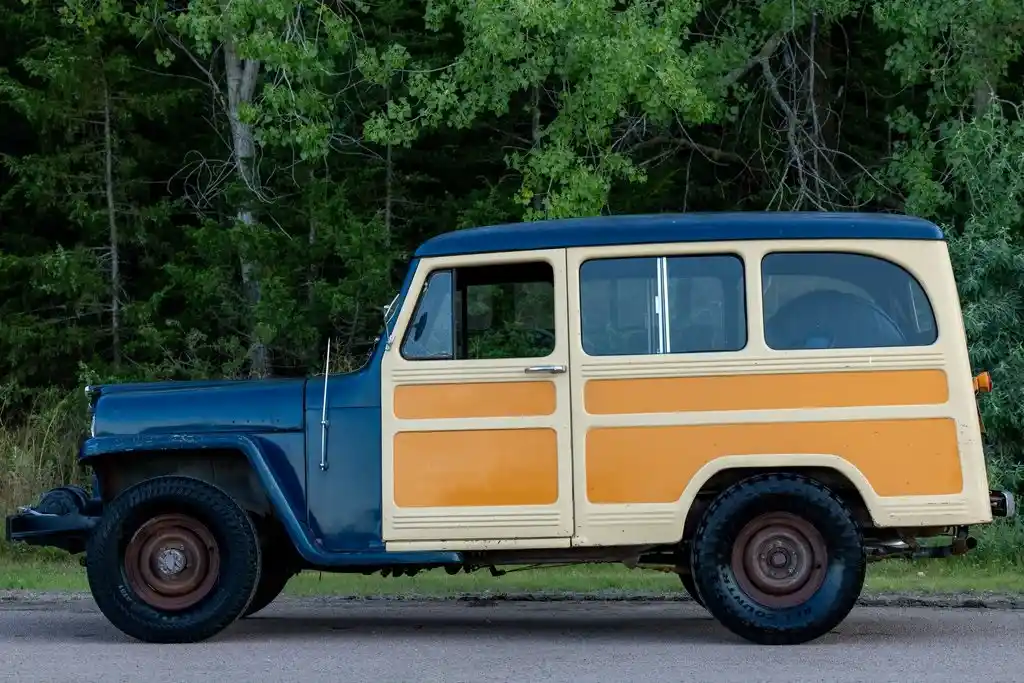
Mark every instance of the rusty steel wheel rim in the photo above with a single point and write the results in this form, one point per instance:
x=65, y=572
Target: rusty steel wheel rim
x=172, y=562
x=779, y=559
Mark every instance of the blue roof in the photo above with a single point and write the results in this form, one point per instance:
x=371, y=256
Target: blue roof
x=679, y=227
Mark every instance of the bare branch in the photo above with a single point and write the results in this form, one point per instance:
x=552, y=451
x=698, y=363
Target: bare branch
x=766, y=51
x=206, y=72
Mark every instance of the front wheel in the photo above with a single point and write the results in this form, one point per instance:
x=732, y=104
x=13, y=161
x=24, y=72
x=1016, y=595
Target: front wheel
x=778, y=559
x=272, y=582
x=173, y=560
x=691, y=588
x=280, y=564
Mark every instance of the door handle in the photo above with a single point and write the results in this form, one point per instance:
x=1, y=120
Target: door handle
x=550, y=369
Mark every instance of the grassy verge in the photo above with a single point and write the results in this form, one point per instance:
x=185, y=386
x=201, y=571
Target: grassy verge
x=996, y=566
x=926, y=577
x=39, y=452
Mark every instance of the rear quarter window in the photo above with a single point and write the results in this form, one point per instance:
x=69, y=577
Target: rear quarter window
x=837, y=300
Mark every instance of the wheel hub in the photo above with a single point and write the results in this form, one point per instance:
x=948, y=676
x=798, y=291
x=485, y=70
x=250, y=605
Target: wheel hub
x=172, y=562
x=779, y=559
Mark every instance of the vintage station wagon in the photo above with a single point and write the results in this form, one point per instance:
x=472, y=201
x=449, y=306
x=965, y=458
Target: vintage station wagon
x=759, y=402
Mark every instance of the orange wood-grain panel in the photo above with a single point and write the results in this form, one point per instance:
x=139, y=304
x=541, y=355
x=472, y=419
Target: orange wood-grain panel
x=477, y=399
x=766, y=391
x=654, y=464
x=476, y=468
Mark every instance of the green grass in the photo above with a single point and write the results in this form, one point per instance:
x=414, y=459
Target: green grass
x=996, y=565
x=953, y=575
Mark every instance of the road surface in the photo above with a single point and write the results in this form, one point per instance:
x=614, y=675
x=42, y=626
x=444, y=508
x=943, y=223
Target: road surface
x=336, y=641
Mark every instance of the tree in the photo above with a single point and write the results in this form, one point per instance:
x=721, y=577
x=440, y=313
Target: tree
x=578, y=68
x=275, y=71
x=84, y=95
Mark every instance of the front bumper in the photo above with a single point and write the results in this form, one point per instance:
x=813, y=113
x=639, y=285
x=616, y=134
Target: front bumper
x=63, y=519
x=1003, y=504
x=67, y=532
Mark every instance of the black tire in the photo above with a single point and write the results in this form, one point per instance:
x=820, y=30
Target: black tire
x=280, y=563
x=276, y=574
x=805, y=515
x=691, y=588
x=204, y=532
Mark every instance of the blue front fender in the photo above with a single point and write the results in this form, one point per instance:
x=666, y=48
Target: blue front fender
x=287, y=509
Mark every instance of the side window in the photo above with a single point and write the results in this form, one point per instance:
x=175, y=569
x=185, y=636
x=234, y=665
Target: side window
x=841, y=300
x=500, y=311
x=706, y=304
x=430, y=334
x=651, y=305
x=618, y=308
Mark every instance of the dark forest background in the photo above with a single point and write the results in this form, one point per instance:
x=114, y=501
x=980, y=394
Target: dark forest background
x=211, y=189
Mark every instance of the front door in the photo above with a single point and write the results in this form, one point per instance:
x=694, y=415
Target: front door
x=475, y=405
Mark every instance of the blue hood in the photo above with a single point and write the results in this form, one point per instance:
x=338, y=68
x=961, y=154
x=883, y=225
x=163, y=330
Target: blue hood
x=200, y=407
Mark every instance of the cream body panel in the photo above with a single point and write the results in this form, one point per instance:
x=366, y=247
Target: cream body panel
x=662, y=522
x=468, y=527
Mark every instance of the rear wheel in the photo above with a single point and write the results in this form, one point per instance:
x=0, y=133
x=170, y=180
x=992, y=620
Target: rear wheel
x=778, y=559
x=173, y=560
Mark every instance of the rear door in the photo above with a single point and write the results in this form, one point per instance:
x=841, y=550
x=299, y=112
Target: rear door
x=476, y=441
x=648, y=329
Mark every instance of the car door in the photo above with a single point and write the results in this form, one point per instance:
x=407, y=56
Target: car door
x=649, y=323
x=475, y=405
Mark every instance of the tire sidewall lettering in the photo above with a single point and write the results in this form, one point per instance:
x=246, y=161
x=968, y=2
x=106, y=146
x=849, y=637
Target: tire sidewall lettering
x=711, y=557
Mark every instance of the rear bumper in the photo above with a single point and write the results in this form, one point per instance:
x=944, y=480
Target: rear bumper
x=63, y=519
x=1003, y=504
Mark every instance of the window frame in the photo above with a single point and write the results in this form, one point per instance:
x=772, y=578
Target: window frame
x=459, y=303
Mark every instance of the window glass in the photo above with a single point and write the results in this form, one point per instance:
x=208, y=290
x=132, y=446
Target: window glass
x=617, y=306
x=649, y=305
x=840, y=300
x=706, y=304
x=429, y=336
x=500, y=311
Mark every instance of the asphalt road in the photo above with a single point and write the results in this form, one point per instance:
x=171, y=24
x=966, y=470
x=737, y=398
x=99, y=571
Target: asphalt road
x=310, y=640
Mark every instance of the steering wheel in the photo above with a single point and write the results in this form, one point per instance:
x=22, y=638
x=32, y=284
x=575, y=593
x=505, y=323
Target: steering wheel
x=827, y=319
x=547, y=335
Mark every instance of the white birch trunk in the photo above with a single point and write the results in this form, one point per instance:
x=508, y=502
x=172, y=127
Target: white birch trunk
x=241, y=81
x=115, y=258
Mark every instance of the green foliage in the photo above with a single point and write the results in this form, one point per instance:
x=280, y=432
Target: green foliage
x=576, y=68
x=958, y=46
x=273, y=163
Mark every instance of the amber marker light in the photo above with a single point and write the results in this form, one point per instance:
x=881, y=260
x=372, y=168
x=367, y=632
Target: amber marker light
x=983, y=383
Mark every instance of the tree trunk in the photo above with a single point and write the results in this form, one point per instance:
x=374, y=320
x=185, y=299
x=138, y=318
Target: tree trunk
x=538, y=201
x=241, y=80
x=819, y=58
x=983, y=97
x=115, y=259
x=389, y=180
x=311, y=280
